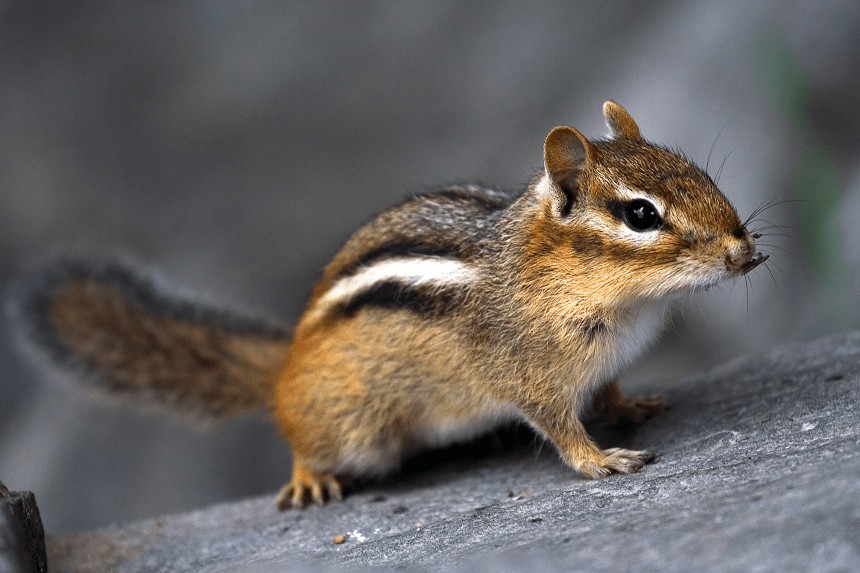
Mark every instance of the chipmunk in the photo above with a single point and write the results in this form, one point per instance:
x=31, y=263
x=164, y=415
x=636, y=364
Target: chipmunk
x=444, y=316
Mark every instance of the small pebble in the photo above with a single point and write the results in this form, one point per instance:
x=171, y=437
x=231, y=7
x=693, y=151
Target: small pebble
x=338, y=539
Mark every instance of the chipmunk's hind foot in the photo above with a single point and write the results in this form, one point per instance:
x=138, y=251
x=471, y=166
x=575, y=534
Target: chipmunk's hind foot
x=307, y=486
x=626, y=461
x=615, y=460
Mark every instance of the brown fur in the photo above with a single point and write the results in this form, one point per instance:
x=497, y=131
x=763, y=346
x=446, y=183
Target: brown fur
x=193, y=364
x=537, y=301
x=129, y=338
x=537, y=332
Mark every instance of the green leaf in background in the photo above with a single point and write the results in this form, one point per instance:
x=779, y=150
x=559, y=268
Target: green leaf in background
x=816, y=186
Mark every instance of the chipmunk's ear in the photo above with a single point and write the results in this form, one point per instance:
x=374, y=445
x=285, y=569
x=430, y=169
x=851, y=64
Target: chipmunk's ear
x=620, y=122
x=565, y=154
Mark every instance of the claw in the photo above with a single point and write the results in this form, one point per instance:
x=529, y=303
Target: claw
x=757, y=259
x=308, y=486
x=335, y=492
x=317, y=493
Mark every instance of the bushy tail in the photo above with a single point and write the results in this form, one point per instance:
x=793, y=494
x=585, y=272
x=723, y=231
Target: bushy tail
x=121, y=333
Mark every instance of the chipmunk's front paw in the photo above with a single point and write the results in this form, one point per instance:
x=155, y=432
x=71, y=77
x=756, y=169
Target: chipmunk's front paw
x=307, y=486
x=614, y=460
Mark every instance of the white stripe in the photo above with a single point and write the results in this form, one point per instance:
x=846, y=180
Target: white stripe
x=629, y=194
x=412, y=271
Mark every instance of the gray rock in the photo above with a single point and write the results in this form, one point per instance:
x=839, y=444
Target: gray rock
x=757, y=470
x=22, y=538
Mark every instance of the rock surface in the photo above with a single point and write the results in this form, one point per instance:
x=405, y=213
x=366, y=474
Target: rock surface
x=758, y=470
x=22, y=538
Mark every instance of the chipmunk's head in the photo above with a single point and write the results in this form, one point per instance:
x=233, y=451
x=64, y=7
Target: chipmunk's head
x=639, y=219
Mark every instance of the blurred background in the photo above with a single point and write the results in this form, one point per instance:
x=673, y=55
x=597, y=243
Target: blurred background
x=234, y=146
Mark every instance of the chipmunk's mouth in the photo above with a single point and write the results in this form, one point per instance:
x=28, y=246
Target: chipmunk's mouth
x=757, y=259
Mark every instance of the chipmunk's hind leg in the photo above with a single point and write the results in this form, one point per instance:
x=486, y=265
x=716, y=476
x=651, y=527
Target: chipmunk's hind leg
x=611, y=403
x=308, y=486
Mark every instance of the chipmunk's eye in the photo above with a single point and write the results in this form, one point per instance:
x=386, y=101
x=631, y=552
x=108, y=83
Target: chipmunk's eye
x=640, y=215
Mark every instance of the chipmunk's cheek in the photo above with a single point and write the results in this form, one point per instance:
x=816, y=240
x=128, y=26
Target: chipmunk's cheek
x=700, y=270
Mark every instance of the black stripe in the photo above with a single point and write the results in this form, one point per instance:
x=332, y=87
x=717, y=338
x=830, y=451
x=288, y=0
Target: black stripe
x=425, y=246
x=394, y=295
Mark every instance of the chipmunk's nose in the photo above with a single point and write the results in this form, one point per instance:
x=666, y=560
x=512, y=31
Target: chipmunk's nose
x=740, y=251
x=741, y=256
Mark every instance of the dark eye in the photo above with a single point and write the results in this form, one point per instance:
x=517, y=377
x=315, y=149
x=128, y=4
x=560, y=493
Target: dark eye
x=640, y=215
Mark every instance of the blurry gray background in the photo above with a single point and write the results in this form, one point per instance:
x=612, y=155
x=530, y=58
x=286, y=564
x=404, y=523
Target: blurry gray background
x=234, y=146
